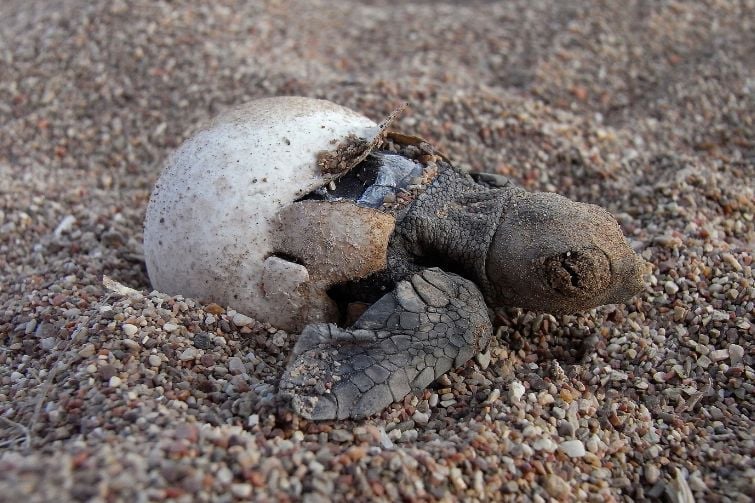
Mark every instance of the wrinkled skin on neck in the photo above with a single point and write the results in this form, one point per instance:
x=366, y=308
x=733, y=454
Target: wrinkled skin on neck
x=539, y=251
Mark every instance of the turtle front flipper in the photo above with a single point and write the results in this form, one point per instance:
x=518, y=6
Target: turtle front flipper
x=428, y=325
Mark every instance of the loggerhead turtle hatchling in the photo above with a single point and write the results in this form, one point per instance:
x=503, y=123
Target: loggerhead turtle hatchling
x=291, y=209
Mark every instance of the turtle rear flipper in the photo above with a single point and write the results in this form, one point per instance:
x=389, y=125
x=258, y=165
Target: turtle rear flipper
x=428, y=325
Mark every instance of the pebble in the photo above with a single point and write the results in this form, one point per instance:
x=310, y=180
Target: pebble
x=170, y=327
x=280, y=338
x=421, y=417
x=516, y=391
x=696, y=483
x=48, y=343
x=188, y=354
x=131, y=344
x=572, y=448
x=202, y=341
x=736, y=354
x=114, y=382
x=556, y=486
x=493, y=396
x=433, y=400
x=242, y=491
x=718, y=355
x=544, y=444
x=129, y=329
x=236, y=365
x=241, y=320
x=565, y=429
x=341, y=435
x=224, y=475
x=671, y=287
x=483, y=359
x=154, y=360
x=86, y=350
x=652, y=473
x=704, y=362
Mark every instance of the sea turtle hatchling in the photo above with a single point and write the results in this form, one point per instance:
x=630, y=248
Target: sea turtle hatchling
x=297, y=211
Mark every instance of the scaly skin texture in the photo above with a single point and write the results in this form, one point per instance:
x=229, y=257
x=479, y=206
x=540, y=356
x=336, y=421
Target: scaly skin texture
x=508, y=246
x=430, y=324
x=534, y=250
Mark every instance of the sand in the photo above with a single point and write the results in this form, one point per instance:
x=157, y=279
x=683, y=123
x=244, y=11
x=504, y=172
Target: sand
x=646, y=108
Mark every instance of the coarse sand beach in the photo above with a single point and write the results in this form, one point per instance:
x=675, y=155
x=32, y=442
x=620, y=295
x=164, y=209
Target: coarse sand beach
x=646, y=108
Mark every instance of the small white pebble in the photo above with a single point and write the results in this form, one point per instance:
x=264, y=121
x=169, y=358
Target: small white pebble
x=241, y=490
x=732, y=261
x=170, y=327
x=188, y=354
x=493, y=396
x=652, y=473
x=457, y=480
x=224, y=475
x=573, y=448
x=671, y=287
x=129, y=329
x=696, y=483
x=154, y=360
x=236, y=365
x=115, y=381
x=279, y=338
x=483, y=359
x=241, y=320
x=434, y=399
x=544, y=444
x=421, y=417
x=736, y=353
x=86, y=350
x=703, y=362
x=641, y=385
x=557, y=487
x=719, y=354
x=316, y=467
x=516, y=391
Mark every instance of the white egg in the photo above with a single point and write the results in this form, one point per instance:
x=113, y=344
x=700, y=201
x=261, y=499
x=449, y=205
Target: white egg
x=211, y=223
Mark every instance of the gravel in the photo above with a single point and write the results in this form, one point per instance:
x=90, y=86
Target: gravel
x=111, y=391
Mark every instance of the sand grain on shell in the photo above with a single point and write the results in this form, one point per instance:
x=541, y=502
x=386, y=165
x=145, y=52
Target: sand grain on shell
x=646, y=109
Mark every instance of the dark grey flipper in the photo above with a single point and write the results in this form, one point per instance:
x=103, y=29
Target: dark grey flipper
x=428, y=325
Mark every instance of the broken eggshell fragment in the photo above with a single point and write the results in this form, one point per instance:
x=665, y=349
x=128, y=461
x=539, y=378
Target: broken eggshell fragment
x=214, y=218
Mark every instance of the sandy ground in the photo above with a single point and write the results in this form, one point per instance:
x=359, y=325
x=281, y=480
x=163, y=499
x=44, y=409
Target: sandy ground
x=643, y=107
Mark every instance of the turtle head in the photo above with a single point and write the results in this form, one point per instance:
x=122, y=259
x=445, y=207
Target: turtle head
x=556, y=255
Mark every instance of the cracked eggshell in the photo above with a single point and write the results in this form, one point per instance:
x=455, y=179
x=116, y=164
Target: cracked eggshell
x=210, y=220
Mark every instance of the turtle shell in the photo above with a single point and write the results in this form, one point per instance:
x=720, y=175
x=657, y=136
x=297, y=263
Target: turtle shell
x=214, y=220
